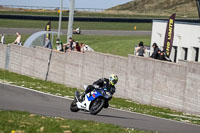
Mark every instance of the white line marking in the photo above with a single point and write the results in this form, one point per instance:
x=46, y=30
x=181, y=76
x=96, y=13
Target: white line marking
x=108, y=107
x=37, y=91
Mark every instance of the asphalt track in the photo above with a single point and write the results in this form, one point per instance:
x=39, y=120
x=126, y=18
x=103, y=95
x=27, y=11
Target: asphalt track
x=10, y=31
x=23, y=99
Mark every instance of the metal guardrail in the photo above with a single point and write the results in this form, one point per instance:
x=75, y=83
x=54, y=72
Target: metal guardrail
x=91, y=19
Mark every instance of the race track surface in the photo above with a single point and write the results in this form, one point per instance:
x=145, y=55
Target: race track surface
x=10, y=31
x=22, y=99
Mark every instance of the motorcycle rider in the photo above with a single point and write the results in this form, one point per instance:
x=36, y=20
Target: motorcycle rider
x=107, y=84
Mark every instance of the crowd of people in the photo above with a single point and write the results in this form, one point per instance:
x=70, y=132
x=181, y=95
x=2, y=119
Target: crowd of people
x=157, y=53
x=72, y=45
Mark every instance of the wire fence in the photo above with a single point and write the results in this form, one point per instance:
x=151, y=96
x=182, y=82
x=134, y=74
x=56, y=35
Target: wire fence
x=52, y=8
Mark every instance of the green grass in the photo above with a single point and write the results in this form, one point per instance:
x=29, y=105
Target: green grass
x=36, y=84
x=62, y=90
x=117, y=45
x=20, y=122
x=40, y=24
x=11, y=38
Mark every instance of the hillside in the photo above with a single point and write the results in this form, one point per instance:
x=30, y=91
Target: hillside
x=183, y=8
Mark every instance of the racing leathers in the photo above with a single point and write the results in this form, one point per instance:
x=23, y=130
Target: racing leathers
x=101, y=83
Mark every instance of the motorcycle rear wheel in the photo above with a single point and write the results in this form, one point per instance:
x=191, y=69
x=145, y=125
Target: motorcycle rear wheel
x=97, y=106
x=73, y=106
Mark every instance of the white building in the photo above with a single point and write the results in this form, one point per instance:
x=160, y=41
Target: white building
x=186, y=42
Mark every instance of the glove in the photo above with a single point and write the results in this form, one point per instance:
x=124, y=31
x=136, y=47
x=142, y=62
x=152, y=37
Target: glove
x=112, y=91
x=96, y=86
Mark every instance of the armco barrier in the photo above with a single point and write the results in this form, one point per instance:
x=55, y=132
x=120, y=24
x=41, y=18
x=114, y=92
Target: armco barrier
x=141, y=79
x=90, y=19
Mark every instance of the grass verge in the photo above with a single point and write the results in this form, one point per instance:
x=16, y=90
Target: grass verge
x=20, y=122
x=62, y=90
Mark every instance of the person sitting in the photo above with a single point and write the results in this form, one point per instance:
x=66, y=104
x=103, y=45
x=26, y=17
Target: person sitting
x=59, y=45
x=162, y=56
x=77, y=47
x=155, y=51
x=77, y=31
x=69, y=45
x=87, y=48
x=18, y=39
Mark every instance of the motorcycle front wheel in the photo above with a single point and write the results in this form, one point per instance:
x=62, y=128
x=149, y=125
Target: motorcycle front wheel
x=73, y=106
x=97, y=106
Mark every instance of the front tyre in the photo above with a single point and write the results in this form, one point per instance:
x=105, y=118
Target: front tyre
x=97, y=105
x=73, y=106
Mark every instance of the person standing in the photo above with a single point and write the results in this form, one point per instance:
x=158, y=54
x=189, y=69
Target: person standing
x=47, y=43
x=2, y=39
x=140, y=50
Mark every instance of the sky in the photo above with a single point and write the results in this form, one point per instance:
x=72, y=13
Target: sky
x=101, y=4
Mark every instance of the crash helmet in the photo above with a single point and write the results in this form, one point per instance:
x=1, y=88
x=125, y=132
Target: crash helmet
x=113, y=79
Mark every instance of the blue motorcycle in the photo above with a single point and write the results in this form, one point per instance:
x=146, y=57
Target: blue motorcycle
x=92, y=102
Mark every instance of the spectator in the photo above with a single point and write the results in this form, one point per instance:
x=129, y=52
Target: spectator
x=74, y=45
x=2, y=39
x=155, y=51
x=77, y=31
x=82, y=45
x=66, y=47
x=71, y=42
x=78, y=48
x=69, y=46
x=162, y=56
x=18, y=39
x=47, y=43
x=140, y=50
x=59, y=45
x=87, y=48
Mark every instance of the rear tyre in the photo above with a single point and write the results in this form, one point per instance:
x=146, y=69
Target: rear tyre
x=97, y=106
x=73, y=106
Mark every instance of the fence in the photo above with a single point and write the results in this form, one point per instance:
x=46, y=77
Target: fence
x=141, y=79
x=51, y=8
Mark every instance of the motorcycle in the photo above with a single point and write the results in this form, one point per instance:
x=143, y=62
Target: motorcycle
x=92, y=102
x=77, y=31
